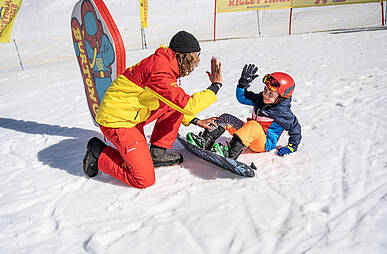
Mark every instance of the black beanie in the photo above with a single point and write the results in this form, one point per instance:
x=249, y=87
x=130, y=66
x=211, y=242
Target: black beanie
x=184, y=42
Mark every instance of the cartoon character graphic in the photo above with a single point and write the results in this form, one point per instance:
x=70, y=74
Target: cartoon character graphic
x=99, y=49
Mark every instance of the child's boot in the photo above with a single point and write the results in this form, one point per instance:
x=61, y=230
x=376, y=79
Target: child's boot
x=95, y=147
x=232, y=150
x=161, y=158
x=205, y=139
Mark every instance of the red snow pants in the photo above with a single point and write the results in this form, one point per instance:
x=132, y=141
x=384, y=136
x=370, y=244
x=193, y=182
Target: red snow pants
x=130, y=161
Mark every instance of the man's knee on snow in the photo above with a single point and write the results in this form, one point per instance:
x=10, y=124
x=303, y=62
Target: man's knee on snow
x=144, y=183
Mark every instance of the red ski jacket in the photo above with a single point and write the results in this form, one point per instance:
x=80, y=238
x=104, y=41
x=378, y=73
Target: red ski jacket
x=133, y=95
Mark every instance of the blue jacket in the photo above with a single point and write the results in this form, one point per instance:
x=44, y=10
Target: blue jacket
x=283, y=117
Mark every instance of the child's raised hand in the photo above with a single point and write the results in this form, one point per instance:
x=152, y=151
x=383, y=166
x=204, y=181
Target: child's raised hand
x=247, y=76
x=215, y=75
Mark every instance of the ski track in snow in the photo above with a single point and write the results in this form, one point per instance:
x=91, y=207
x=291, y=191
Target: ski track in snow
x=328, y=197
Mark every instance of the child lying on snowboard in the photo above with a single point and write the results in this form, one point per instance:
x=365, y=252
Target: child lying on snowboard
x=271, y=116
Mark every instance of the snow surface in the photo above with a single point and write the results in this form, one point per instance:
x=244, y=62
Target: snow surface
x=328, y=197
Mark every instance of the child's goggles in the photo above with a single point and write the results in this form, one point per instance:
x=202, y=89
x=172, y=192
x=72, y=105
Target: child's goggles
x=271, y=82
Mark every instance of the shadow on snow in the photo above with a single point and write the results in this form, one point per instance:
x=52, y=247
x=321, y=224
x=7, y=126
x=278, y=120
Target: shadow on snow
x=68, y=154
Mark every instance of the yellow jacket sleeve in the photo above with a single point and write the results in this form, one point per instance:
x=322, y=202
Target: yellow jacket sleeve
x=197, y=103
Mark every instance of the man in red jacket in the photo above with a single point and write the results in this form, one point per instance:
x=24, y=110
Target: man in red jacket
x=146, y=92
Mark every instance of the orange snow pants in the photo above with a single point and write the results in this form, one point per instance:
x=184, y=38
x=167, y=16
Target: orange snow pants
x=130, y=161
x=252, y=135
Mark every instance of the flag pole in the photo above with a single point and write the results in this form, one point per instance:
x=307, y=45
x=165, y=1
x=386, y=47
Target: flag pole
x=215, y=21
x=143, y=39
x=259, y=26
x=290, y=21
x=144, y=21
x=17, y=50
x=382, y=12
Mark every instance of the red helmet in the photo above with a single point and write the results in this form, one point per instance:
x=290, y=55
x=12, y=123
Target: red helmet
x=280, y=82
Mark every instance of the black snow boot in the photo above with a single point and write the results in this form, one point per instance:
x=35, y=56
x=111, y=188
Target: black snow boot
x=206, y=138
x=161, y=158
x=95, y=147
x=232, y=150
x=235, y=147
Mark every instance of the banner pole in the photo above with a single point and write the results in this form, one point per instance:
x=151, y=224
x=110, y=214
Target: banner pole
x=144, y=39
x=215, y=21
x=382, y=13
x=144, y=21
x=17, y=50
x=259, y=26
x=290, y=21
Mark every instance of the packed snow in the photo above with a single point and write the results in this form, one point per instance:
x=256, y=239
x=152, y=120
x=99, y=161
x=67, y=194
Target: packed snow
x=328, y=197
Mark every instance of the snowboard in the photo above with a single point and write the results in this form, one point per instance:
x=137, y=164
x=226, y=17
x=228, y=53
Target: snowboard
x=233, y=166
x=99, y=49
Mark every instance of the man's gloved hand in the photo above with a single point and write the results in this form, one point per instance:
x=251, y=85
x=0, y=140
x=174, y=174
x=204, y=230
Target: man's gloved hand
x=247, y=76
x=286, y=150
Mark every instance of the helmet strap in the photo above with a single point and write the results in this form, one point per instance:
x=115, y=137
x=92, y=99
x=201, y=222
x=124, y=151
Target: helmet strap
x=279, y=100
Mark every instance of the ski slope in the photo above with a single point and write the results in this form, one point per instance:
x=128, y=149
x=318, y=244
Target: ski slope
x=328, y=197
